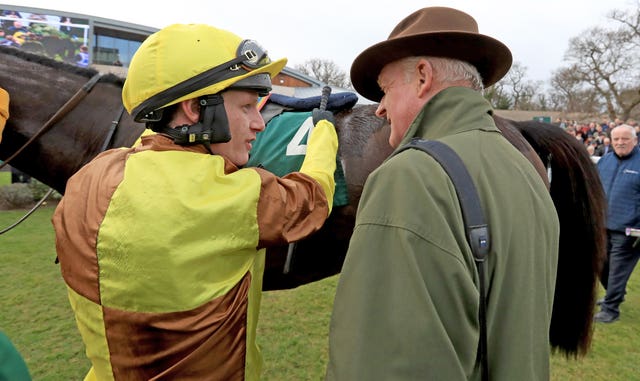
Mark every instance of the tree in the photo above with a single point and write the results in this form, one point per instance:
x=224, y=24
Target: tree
x=571, y=94
x=326, y=71
x=600, y=59
x=514, y=90
x=630, y=23
x=497, y=96
x=515, y=82
x=606, y=62
x=542, y=102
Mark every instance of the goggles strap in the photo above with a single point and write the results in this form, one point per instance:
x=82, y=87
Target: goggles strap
x=214, y=75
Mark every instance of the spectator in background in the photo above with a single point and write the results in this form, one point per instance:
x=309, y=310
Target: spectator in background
x=591, y=149
x=82, y=58
x=9, y=23
x=605, y=147
x=589, y=129
x=65, y=26
x=610, y=126
x=620, y=175
x=16, y=27
x=74, y=32
x=10, y=41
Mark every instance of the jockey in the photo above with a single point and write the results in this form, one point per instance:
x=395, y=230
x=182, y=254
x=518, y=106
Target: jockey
x=162, y=246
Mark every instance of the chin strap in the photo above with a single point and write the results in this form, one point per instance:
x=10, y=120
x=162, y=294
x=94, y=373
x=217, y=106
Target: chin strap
x=213, y=126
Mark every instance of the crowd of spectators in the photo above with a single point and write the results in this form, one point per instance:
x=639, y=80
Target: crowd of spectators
x=595, y=136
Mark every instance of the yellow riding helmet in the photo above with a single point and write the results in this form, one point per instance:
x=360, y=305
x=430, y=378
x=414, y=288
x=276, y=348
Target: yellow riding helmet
x=184, y=61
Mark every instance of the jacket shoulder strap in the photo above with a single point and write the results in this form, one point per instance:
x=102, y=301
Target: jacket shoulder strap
x=475, y=223
x=472, y=213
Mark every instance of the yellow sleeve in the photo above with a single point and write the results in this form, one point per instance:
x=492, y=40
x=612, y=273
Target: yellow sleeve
x=320, y=161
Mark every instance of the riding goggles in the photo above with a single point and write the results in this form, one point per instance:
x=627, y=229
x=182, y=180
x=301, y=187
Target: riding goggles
x=249, y=56
x=255, y=56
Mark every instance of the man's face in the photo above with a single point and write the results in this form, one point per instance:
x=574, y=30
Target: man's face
x=245, y=122
x=623, y=141
x=398, y=103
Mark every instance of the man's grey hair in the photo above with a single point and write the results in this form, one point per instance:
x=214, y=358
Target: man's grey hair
x=447, y=70
x=628, y=127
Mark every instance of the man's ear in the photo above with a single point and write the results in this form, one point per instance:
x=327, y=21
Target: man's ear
x=191, y=110
x=424, y=72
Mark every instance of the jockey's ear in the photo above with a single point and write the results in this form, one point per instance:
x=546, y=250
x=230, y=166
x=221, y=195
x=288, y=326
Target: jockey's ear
x=190, y=110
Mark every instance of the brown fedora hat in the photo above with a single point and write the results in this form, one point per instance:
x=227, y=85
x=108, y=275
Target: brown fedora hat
x=436, y=32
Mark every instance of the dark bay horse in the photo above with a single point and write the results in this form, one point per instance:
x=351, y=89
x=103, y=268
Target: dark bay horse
x=77, y=130
x=39, y=87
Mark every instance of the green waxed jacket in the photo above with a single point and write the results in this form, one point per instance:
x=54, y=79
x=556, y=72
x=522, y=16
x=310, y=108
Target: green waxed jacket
x=406, y=306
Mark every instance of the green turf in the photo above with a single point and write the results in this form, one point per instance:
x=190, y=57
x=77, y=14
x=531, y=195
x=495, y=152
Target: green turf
x=35, y=314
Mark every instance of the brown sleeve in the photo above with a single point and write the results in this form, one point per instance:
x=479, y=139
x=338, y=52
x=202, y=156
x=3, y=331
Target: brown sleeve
x=289, y=208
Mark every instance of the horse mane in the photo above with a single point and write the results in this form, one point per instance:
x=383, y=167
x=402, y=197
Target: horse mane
x=59, y=65
x=578, y=195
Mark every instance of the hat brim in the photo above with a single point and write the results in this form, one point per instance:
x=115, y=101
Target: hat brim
x=490, y=57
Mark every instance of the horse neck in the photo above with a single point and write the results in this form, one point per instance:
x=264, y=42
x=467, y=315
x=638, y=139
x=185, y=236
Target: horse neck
x=76, y=138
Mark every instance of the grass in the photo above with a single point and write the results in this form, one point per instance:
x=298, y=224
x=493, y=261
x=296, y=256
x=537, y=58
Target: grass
x=35, y=314
x=5, y=177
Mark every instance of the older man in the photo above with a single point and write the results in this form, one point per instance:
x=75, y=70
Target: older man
x=408, y=300
x=620, y=175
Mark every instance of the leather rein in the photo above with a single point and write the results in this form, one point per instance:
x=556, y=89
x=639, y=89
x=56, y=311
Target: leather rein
x=64, y=110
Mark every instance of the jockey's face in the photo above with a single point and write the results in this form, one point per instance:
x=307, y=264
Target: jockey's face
x=245, y=122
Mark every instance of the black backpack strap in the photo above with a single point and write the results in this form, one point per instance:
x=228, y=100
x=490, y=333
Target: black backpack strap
x=475, y=223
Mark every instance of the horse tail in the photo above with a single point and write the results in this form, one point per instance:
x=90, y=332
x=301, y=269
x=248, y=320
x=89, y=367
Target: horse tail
x=580, y=202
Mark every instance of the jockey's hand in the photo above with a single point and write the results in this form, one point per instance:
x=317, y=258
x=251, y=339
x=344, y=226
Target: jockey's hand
x=318, y=115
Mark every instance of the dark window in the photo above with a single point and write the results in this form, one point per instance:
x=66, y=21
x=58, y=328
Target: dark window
x=108, y=50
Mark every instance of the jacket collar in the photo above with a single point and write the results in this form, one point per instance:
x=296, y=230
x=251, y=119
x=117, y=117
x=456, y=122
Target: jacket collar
x=633, y=152
x=451, y=111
